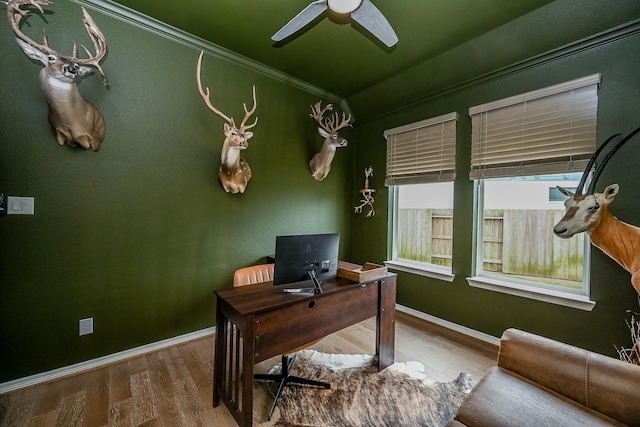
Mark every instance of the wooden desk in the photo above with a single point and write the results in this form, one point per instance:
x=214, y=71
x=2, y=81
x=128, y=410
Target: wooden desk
x=259, y=321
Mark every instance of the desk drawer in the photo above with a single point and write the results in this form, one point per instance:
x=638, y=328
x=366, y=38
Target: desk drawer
x=281, y=330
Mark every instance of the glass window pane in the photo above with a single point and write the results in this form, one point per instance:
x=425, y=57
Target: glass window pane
x=424, y=226
x=518, y=243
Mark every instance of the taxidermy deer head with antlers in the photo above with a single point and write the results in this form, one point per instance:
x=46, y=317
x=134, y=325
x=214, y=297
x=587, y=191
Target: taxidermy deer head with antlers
x=320, y=163
x=75, y=120
x=590, y=213
x=234, y=172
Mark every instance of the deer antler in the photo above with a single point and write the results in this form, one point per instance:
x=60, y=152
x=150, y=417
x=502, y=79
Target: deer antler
x=317, y=112
x=16, y=14
x=248, y=113
x=99, y=44
x=206, y=97
x=205, y=94
x=331, y=124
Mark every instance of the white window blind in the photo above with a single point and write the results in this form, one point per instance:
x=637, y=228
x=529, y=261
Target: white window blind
x=422, y=152
x=551, y=130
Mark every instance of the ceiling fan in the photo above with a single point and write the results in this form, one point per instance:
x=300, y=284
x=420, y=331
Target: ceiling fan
x=362, y=11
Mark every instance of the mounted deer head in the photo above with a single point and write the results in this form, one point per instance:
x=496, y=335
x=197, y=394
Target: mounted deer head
x=75, y=120
x=320, y=163
x=590, y=213
x=234, y=172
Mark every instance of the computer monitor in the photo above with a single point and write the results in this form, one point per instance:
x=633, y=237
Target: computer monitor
x=305, y=257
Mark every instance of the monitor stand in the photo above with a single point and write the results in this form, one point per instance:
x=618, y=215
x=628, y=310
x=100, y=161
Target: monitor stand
x=317, y=284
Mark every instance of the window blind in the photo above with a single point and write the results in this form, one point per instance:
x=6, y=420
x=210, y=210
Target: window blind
x=551, y=130
x=422, y=152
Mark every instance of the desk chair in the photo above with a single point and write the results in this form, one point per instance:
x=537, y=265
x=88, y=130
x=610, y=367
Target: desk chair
x=264, y=273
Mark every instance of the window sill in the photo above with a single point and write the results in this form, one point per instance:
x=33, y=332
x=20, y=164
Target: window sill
x=421, y=269
x=581, y=302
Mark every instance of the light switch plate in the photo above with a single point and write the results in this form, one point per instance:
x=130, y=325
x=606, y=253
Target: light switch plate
x=20, y=205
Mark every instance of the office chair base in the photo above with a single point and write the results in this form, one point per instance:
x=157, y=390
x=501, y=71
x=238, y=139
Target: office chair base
x=285, y=378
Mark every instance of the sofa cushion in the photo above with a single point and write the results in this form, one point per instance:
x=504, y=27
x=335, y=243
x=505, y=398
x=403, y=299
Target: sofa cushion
x=504, y=398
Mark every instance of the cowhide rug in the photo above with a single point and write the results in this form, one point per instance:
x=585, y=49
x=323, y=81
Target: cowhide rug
x=400, y=395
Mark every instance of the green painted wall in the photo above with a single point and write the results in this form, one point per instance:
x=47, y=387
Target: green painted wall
x=618, y=60
x=139, y=234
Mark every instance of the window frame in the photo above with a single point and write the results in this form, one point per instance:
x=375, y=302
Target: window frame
x=410, y=266
x=522, y=288
x=500, y=129
x=418, y=174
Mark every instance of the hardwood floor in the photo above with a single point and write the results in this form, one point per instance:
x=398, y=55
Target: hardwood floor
x=173, y=387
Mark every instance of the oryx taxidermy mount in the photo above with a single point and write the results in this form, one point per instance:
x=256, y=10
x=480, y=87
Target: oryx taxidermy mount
x=76, y=121
x=361, y=11
x=590, y=213
x=234, y=172
x=320, y=163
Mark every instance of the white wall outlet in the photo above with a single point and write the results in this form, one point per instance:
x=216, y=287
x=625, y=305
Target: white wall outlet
x=86, y=326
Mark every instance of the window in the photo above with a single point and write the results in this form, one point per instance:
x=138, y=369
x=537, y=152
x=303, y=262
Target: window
x=522, y=148
x=420, y=174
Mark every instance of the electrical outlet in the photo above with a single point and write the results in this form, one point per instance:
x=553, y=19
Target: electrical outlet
x=86, y=326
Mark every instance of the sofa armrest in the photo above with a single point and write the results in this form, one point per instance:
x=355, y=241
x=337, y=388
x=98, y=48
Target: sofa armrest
x=599, y=382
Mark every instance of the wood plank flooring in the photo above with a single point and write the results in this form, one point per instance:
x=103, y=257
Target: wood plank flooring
x=172, y=387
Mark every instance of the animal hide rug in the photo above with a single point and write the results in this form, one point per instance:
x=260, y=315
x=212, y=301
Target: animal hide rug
x=361, y=396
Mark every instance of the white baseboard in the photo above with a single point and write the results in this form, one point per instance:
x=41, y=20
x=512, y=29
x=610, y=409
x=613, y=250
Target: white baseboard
x=65, y=371
x=450, y=325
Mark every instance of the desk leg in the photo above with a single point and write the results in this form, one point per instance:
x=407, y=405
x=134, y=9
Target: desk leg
x=233, y=366
x=219, y=353
x=248, y=353
x=386, y=323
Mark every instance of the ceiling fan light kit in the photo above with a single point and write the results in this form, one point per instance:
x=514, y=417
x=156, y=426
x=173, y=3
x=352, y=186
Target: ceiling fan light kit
x=344, y=6
x=361, y=11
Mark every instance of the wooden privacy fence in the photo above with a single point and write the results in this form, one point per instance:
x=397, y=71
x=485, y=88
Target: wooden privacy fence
x=518, y=242
x=426, y=235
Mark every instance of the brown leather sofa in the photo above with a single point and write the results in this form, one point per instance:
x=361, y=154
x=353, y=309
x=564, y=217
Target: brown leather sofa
x=542, y=382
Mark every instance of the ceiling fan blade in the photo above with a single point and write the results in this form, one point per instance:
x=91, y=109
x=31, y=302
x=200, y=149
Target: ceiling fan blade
x=374, y=21
x=307, y=15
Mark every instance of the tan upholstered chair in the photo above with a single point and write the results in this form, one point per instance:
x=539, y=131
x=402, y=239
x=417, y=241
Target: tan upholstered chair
x=254, y=274
x=264, y=273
